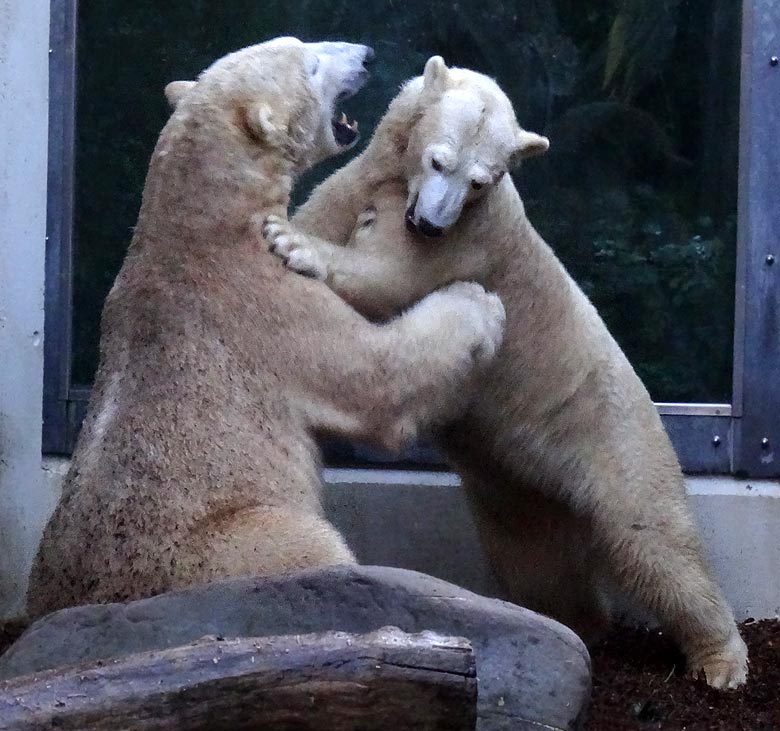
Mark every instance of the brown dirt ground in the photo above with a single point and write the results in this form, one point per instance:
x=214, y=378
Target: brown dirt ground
x=638, y=686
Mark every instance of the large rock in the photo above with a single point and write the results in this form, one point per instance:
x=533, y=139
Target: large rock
x=533, y=672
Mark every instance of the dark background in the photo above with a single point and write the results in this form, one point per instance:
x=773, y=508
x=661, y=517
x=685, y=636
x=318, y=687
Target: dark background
x=637, y=195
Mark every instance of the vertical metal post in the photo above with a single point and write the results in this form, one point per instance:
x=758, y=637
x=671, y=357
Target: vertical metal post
x=59, y=225
x=757, y=336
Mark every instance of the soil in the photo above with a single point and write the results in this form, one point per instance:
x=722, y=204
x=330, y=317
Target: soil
x=638, y=685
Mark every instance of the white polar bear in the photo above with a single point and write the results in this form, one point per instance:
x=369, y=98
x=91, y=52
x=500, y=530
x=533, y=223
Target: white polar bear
x=567, y=465
x=198, y=457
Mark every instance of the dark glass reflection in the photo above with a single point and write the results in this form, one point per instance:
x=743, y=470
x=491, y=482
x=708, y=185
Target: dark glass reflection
x=639, y=98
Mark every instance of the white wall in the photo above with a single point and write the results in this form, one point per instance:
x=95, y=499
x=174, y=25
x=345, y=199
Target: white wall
x=420, y=520
x=24, y=44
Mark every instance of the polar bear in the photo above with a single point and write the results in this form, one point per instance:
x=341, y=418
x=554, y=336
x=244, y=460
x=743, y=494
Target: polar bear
x=566, y=463
x=219, y=368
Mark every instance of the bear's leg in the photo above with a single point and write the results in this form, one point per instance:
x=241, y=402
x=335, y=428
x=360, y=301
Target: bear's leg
x=261, y=541
x=541, y=554
x=653, y=553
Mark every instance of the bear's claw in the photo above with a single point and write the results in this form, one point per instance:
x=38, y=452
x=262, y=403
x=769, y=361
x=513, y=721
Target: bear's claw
x=292, y=247
x=726, y=669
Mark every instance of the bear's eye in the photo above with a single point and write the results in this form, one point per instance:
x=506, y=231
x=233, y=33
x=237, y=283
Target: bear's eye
x=367, y=218
x=476, y=185
x=436, y=165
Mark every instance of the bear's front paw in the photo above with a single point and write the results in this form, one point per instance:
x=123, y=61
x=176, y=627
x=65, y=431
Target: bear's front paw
x=482, y=315
x=293, y=248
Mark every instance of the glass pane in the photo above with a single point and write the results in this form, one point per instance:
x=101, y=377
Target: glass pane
x=639, y=98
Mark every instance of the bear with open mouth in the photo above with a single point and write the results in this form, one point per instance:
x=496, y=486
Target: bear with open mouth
x=219, y=368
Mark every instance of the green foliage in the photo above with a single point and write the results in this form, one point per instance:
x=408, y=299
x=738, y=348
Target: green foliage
x=639, y=97
x=639, y=43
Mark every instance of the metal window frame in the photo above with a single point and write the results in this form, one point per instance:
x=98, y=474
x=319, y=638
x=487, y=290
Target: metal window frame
x=740, y=438
x=58, y=396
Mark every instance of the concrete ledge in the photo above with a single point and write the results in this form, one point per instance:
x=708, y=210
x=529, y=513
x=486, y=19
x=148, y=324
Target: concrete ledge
x=420, y=520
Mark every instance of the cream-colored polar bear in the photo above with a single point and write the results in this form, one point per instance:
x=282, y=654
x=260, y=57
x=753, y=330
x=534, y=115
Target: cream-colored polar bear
x=219, y=368
x=564, y=457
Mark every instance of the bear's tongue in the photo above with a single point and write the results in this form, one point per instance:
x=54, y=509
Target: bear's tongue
x=344, y=131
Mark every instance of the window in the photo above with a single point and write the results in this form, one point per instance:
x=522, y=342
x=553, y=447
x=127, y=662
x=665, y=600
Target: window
x=651, y=193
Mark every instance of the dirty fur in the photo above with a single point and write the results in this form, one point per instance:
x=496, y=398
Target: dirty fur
x=219, y=368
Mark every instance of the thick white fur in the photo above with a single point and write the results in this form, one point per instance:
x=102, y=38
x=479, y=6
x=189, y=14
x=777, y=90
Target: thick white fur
x=219, y=368
x=569, y=470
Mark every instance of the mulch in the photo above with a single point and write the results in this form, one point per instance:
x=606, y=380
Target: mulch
x=638, y=685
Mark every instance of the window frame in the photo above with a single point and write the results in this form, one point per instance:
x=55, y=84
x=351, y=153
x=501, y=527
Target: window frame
x=738, y=438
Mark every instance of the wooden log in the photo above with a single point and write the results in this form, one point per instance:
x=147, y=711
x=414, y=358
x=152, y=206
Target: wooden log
x=336, y=681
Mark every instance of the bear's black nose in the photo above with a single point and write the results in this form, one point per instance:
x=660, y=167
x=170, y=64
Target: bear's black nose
x=426, y=228
x=370, y=55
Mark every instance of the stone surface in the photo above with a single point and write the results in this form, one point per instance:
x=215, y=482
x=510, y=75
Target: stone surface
x=410, y=524
x=533, y=673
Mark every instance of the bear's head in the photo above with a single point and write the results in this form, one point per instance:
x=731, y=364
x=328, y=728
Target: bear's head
x=282, y=95
x=464, y=138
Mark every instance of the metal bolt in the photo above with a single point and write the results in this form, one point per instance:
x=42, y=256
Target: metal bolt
x=764, y=443
x=774, y=61
x=716, y=441
x=770, y=259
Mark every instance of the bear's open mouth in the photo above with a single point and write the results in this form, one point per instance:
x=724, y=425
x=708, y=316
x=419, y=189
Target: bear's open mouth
x=344, y=131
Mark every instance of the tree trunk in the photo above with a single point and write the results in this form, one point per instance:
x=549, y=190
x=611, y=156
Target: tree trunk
x=336, y=681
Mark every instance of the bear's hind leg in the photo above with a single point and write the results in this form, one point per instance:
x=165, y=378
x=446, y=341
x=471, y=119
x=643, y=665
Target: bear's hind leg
x=540, y=552
x=654, y=555
x=260, y=541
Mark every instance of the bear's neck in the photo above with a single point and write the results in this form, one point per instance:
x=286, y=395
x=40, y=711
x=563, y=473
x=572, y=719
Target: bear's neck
x=204, y=194
x=520, y=259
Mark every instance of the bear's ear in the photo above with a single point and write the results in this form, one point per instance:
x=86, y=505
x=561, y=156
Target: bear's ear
x=176, y=90
x=435, y=74
x=528, y=144
x=267, y=124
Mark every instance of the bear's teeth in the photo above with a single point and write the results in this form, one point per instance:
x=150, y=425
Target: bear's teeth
x=353, y=125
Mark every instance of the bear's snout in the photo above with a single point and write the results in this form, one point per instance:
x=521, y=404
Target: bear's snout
x=423, y=225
